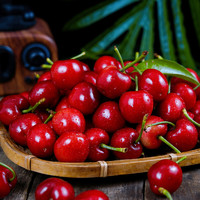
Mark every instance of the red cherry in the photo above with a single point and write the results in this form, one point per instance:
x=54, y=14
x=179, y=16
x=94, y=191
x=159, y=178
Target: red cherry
x=150, y=134
x=90, y=77
x=67, y=73
x=85, y=67
x=108, y=117
x=187, y=94
x=196, y=108
x=165, y=174
x=19, y=128
x=185, y=135
x=96, y=137
x=47, y=90
x=11, y=107
x=112, y=83
x=25, y=95
x=125, y=138
x=8, y=180
x=154, y=82
x=46, y=76
x=103, y=62
x=54, y=188
x=84, y=97
x=63, y=103
x=92, y=195
x=135, y=104
x=68, y=119
x=71, y=147
x=170, y=109
x=40, y=140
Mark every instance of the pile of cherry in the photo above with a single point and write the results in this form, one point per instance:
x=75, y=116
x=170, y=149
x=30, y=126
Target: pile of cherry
x=76, y=114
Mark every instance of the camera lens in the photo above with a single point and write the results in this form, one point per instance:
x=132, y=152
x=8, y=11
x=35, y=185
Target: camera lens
x=34, y=55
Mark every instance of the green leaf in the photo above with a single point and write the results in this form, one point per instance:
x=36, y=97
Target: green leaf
x=182, y=43
x=168, y=67
x=195, y=12
x=96, y=13
x=165, y=33
x=112, y=33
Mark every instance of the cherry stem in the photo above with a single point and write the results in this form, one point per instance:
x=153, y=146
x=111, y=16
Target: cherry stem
x=120, y=57
x=181, y=159
x=142, y=128
x=168, y=144
x=48, y=118
x=165, y=193
x=79, y=55
x=32, y=108
x=189, y=118
x=196, y=87
x=119, y=149
x=158, y=56
x=136, y=83
x=46, y=66
x=36, y=75
x=144, y=54
x=137, y=55
x=169, y=86
x=9, y=168
x=158, y=123
x=49, y=61
x=50, y=111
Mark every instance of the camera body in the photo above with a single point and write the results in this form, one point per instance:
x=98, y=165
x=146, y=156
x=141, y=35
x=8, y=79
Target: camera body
x=21, y=54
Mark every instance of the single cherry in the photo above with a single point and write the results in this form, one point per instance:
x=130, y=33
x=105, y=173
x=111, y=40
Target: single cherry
x=135, y=104
x=112, y=83
x=84, y=97
x=46, y=76
x=68, y=119
x=63, y=103
x=108, y=117
x=90, y=77
x=71, y=147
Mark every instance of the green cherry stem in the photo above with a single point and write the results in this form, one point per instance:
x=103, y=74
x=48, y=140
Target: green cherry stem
x=79, y=55
x=49, y=61
x=47, y=66
x=158, y=123
x=36, y=75
x=168, y=144
x=120, y=57
x=136, y=83
x=181, y=159
x=142, y=128
x=9, y=168
x=49, y=118
x=158, y=56
x=169, y=85
x=137, y=54
x=105, y=146
x=196, y=87
x=32, y=108
x=189, y=118
x=141, y=57
x=165, y=193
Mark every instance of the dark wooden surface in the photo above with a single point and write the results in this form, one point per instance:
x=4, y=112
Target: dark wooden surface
x=129, y=187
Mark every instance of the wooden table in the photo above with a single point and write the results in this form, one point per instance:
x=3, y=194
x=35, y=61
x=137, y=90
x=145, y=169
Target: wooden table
x=128, y=187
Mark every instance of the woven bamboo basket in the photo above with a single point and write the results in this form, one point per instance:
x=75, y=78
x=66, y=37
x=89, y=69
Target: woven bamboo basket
x=25, y=159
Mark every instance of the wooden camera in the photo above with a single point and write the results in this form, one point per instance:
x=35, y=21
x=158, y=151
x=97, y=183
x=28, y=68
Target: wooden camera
x=22, y=52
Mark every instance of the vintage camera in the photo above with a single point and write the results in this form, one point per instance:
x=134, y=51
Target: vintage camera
x=25, y=43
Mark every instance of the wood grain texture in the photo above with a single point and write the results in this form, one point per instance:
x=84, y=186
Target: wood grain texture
x=17, y=41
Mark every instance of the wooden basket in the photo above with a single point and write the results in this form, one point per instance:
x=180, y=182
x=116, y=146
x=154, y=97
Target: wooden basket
x=26, y=160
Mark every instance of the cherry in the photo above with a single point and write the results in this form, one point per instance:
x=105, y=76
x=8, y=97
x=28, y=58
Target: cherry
x=8, y=180
x=170, y=109
x=25, y=95
x=68, y=119
x=154, y=82
x=187, y=94
x=99, y=150
x=85, y=67
x=112, y=83
x=67, y=73
x=71, y=147
x=103, y=62
x=40, y=140
x=92, y=195
x=90, y=77
x=108, y=117
x=135, y=104
x=46, y=76
x=63, y=103
x=165, y=177
x=126, y=138
x=11, y=107
x=185, y=135
x=54, y=188
x=196, y=108
x=149, y=138
x=47, y=90
x=84, y=97
x=19, y=128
